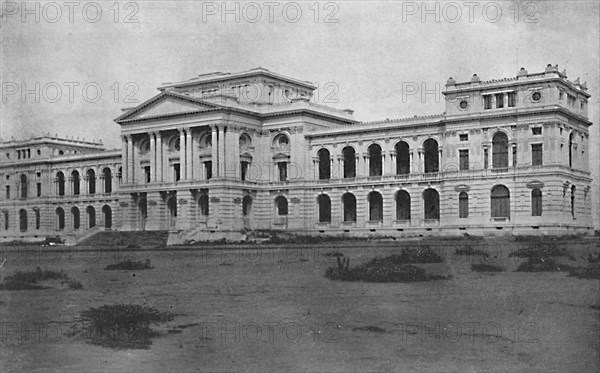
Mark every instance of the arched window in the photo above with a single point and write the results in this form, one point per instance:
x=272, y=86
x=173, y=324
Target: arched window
x=349, y=162
x=24, y=186
x=75, y=182
x=375, y=168
x=432, y=161
x=375, y=206
x=402, y=158
x=324, y=203
x=91, y=213
x=107, y=180
x=573, y=201
x=203, y=204
x=463, y=205
x=349, y=202
x=281, y=206
x=500, y=202
x=60, y=179
x=247, y=205
x=75, y=217
x=500, y=150
x=431, y=203
x=402, y=205
x=324, y=164
x=60, y=218
x=23, y=220
x=281, y=142
x=91, y=179
x=107, y=216
x=536, y=202
x=571, y=150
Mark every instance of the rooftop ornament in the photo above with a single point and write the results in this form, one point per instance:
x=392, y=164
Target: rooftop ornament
x=475, y=78
x=450, y=81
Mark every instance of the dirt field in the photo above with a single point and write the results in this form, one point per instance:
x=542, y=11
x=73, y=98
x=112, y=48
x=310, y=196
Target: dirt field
x=272, y=310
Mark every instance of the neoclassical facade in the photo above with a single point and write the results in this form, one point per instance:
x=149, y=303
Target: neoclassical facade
x=224, y=153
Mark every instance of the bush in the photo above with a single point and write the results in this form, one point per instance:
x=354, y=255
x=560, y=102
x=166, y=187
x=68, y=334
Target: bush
x=333, y=253
x=482, y=267
x=73, y=284
x=121, y=326
x=592, y=271
x=537, y=264
x=538, y=250
x=469, y=250
x=422, y=254
x=379, y=269
x=129, y=265
x=28, y=280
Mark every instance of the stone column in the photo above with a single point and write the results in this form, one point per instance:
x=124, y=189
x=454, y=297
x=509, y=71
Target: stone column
x=366, y=159
x=316, y=168
x=421, y=161
x=159, y=158
x=358, y=169
x=411, y=166
x=440, y=162
x=393, y=170
x=331, y=167
x=340, y=167
x=233, y=138
x=189, y=160
x=182, y=169
x=385, y=160
x=222, y=157
x=215, y=151
x=130, y=160
x=124, y=160
x=152, y=157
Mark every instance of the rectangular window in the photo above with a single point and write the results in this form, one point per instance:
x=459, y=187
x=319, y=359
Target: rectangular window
x=147, y=173
x=282, y=171
x=463, y=137
x=512, y=99
x=514, y=154
x=485, y=159
x=176, y=172
x=208, y=170
x=536, y=130
x=8, y=192
x=39, y=189
x=536, y=154
x=244, y=169
x=487, y=102
x=464, y=159
x=499, y=100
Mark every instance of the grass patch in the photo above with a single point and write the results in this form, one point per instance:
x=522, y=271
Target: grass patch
x=28, y=280
x=388, y=269
x=121, y=326
x=470, y=251
x=129, y=265
x=483, y=267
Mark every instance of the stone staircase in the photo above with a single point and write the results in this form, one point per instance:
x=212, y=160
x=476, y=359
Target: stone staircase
x=142, y=239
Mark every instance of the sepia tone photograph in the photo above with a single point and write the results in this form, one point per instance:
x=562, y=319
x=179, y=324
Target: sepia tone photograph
x=300, y=186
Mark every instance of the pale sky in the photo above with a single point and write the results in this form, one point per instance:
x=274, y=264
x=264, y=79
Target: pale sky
x=369, y=53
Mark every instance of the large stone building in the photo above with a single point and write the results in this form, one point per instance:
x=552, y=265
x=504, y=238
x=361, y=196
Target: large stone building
x=222, y=153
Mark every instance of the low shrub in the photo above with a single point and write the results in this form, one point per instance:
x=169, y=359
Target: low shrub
x=592, y=271
x=422, y=254
x=333, y=254
x=27, y=280
x=483, y=267
x=387, y=269
x=121, y=326
x=469, y=250
x=538, y=250
x=537, y=264
x=76, y=285
x=129, y=265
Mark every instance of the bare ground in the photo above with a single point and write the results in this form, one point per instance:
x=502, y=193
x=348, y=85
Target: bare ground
x=273, y=310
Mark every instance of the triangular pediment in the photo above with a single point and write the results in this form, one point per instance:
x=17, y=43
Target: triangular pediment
x=163, y=105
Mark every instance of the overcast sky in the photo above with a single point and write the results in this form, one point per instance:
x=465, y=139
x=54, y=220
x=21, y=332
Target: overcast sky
x=367, y=50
